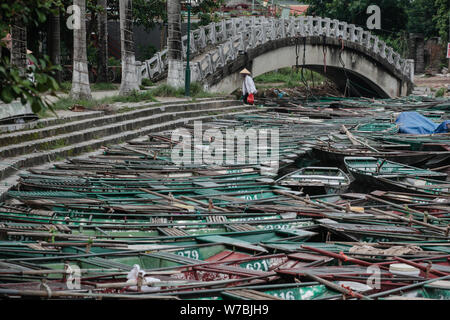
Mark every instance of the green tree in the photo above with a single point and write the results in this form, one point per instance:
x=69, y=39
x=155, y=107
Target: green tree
x=394, y=17
x=441, y=18
x=420, y=18
x=393, y=12
x=15, y=84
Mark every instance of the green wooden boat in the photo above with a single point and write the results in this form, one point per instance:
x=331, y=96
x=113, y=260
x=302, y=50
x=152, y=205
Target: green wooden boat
x=416, y=184
x=294, y=291
x=376, y=128
x=366, y=169
x=237, y=240
x=316, y=180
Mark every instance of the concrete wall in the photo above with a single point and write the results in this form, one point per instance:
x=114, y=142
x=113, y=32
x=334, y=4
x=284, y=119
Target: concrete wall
x=362, y=69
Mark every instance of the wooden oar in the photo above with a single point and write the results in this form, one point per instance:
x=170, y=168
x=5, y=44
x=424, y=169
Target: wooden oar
x=322, y=206
x=50, y=294
x=413, y=211
x=355, y=141
x=204, y=204
x=420, y=223
x=116, y=272
x=423, y=268
x=411, y=286
x=170, y=199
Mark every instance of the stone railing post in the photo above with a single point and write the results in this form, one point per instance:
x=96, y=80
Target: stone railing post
x=352, y=33
x=382, y=48
x=302, y=26
x=309, y=26
x=365, y=39
x=410, y=69
x=389, y=55
x=327, y=26
x=343, y=30
x=334, y=29
x=282, y=29
x=212, y=33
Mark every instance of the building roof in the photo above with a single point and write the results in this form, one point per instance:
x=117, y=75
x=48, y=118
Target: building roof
x=299, y=8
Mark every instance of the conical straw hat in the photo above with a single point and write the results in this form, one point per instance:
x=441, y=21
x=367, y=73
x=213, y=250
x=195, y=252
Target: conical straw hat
x=245, y=71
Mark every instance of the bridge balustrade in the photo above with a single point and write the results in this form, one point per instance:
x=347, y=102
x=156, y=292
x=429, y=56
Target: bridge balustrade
x=237, y=35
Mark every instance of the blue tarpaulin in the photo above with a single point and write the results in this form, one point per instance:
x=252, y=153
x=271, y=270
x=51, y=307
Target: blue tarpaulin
x=443, y=127
x=412, y=122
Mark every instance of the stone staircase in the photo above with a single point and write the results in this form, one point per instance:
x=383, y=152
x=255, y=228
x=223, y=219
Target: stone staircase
x=19, y=150
x=421, y=91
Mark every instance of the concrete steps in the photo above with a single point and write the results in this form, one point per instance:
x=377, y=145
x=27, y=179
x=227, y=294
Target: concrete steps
x=19, y=139
x=421, y=91
x=86, y=135
x=8, y=129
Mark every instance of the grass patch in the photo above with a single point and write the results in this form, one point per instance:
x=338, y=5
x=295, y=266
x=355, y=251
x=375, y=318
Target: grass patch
x=440, y=92
x=66, y=103
x=196, y=91
x=163, y=90
x=147, y=82
x=290, y=77
x=102, y=86
x=135, y=96
x=45, y=113
x=65, y=86
x=52, y=145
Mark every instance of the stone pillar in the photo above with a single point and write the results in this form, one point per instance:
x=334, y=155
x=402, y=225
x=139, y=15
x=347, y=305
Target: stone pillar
x=417, y=51
x=411, y=69
x=433, y=51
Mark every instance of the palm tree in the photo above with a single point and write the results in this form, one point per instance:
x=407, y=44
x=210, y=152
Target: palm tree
x=174, y=26
x=55, y=42
x=129, y=81
x=80, y=74
x=175, y=75
x=102, y=75
x=19, y=45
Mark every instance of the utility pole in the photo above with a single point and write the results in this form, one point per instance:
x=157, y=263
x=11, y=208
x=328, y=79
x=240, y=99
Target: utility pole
x=187, y=82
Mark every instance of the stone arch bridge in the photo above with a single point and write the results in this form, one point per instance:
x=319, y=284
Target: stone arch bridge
x=351, y=57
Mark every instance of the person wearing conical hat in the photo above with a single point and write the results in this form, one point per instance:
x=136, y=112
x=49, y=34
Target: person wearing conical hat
x=248, y=85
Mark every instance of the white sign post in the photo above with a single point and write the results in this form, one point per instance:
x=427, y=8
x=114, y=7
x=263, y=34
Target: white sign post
x=448, y=56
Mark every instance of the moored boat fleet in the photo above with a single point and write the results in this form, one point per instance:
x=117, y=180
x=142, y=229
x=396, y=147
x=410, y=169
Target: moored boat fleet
x=350, y=199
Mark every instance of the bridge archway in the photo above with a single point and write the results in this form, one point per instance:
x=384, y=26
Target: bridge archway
x=220, y=50
x=369, y=75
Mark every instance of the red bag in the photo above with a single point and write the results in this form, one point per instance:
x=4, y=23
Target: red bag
x=250, y=98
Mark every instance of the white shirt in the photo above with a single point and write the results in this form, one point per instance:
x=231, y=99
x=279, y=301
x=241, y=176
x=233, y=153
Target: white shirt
x=248, y=86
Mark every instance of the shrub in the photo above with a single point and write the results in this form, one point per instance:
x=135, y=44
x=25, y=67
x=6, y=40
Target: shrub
x=440, y=92
x=147, y=82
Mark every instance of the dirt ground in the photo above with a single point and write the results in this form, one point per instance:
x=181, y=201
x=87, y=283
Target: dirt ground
x=434, y=82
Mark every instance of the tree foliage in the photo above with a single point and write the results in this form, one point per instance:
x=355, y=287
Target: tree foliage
x=430, y=17
x=13, y=83
x=393, y=12
x=398, y=17
x=420, y=18
x=441, y=18
x=148, y=13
